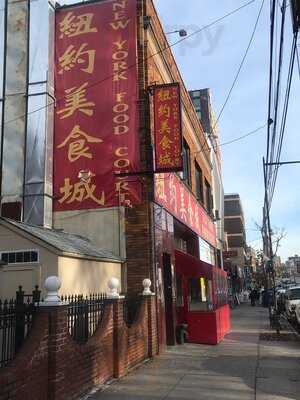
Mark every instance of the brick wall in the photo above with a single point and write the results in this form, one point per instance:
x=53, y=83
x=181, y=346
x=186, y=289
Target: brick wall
x=52, y=366
x=27, y=376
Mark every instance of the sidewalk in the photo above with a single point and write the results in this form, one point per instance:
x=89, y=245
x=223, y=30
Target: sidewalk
x=241, y=367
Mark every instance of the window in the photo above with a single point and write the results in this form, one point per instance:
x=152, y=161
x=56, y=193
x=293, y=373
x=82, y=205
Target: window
x=208, y=198
x=200, y=294
x=17, y=257
x=199, y=183
x=206, y=252
x=186, y=162
x=180, y=244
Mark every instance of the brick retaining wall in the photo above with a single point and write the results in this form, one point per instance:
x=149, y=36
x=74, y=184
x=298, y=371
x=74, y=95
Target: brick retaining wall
x=52, y=366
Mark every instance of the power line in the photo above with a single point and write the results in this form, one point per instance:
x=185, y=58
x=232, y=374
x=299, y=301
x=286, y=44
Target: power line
x=243, y=136
x=137, y=63
x=273, y=8
x=236, y=139
x=284, y=116
x=241, y=64
x=277, y=88
x=298, y=61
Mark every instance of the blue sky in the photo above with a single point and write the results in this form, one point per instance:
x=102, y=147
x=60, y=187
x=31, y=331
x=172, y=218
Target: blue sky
x=211, y=59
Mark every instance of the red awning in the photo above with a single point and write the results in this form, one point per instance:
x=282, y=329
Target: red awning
x=188, y=265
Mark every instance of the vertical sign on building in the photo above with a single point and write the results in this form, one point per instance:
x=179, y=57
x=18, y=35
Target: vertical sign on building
x=96, y=117
x=167, y=127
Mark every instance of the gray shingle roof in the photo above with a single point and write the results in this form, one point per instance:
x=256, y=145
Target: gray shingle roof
x=65, y=242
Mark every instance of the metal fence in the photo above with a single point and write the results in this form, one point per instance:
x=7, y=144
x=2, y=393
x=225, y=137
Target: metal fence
x=84, y=315
x=131, y=309
x=16, y=318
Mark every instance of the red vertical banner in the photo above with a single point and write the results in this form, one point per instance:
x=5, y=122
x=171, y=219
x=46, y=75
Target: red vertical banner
x=167, y=127
x=96, y=114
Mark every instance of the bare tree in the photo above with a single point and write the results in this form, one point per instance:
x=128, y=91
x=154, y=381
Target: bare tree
x=278, y=234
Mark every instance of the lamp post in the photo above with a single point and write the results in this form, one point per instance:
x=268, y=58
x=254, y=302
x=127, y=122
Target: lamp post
x=182, y=32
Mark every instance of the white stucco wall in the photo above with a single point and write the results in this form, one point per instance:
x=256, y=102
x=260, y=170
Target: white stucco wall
x=104, y=227
x=84, y=276
x=28, y=275
x=78, y=276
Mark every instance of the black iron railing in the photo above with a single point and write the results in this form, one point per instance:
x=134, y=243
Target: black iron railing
x=131, y=309
x=16, y=318
x=84, y=315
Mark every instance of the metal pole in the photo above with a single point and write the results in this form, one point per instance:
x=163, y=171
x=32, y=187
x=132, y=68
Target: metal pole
x=283, y=163
x=270, y=247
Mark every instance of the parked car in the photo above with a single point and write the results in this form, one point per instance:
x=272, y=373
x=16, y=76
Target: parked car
x=292, y=299
x=297, y=313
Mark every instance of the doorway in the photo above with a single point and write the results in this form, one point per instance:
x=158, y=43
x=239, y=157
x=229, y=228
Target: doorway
x=168, y=298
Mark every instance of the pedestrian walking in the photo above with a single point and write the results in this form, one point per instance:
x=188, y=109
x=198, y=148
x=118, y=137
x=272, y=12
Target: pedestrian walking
x=253, y=297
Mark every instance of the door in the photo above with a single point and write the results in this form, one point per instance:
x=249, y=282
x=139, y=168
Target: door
x=168, y=298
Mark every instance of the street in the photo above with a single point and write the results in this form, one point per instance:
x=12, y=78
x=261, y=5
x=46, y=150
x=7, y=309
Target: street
x=242, y=367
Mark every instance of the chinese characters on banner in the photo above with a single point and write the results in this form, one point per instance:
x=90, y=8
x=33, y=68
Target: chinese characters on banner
x=167, y=127
x=96, y=116
x=177, y=199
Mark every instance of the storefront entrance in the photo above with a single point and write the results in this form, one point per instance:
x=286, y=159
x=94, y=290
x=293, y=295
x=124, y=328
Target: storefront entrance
x=202, y=304
x=168, y=298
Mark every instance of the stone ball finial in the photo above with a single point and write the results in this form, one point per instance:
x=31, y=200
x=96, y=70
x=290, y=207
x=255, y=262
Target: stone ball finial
x=147, y=285
x=52, y=285
x=113, y=285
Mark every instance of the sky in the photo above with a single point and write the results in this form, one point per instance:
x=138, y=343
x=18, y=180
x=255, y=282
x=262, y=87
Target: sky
x=211, y=59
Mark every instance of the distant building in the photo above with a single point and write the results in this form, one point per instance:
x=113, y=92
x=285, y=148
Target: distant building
x=203, y=106
x=251, y=258
x=234, y=226
x=293, y=264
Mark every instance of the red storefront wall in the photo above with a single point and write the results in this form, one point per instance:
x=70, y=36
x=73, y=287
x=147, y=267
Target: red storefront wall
x=207, y=327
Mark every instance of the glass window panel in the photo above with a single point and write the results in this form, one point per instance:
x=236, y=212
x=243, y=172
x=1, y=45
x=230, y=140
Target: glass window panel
x=36, y=133
x=199, y=294
x=186, y=162
x=34, y=210
x=20, y=257
x=33, y=256
x=27, y=256
x=11, y=258
x=37, y=88
x=4, y=257
x=39, y=33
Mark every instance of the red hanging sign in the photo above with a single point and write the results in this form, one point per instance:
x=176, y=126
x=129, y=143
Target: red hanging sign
x=167, y=127
x=96, y=115
x=180, y=202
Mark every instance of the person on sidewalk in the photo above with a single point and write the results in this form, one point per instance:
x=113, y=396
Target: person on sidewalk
x=253, y=297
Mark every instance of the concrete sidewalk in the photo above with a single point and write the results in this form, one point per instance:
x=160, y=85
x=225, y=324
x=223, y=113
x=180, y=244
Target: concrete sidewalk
x=241, y=367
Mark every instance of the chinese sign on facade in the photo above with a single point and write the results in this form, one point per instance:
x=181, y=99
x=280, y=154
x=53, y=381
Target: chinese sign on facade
x=96, y=116
x=177, y=199
x=167, y=127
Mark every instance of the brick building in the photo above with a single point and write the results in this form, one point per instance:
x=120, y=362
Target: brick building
x=164, y=235
x=171, y=226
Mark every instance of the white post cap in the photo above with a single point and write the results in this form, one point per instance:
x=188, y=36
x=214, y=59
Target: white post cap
x=147, y=290
x=52, y=285
x=113, y=286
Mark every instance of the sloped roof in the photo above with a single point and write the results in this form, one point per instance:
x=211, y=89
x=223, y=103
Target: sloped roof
x=63, y=241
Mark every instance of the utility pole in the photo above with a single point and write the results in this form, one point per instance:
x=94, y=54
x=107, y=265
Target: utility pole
x=269, y=246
